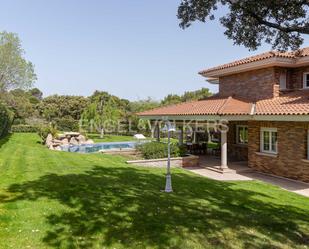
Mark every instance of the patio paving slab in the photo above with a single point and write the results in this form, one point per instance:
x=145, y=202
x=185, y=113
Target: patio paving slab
x=289, y=185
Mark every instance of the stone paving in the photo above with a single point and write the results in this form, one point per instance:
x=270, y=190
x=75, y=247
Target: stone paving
x=240, y=172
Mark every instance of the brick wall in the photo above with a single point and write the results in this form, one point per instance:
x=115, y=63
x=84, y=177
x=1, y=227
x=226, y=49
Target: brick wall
x=261, y=84
x=294, y=76
x=297, y=77
x=292, y=149
x=253, y=85
x=236, y=152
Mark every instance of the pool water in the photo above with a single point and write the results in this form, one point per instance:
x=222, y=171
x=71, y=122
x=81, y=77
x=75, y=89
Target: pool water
x=91, y=148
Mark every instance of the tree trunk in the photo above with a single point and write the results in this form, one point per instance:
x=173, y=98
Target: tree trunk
x=102, y=133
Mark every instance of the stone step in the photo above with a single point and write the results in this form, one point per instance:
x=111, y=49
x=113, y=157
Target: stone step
x=218, y=169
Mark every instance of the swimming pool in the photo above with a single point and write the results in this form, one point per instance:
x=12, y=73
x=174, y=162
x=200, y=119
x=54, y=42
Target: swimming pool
x=91, y=148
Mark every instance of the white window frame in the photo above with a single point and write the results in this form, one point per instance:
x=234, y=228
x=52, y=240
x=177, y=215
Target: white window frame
x=270, y=130
x=305, y=80
x=237, y=133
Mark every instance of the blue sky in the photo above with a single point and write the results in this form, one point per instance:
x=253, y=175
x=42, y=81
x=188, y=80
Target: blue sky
x=130, y=48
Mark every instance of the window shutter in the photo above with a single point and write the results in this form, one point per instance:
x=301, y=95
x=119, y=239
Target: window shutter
x=282, y=81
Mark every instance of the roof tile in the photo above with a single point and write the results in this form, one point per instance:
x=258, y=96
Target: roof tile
x=294, y=103
x=289, y=54
x=216, y=105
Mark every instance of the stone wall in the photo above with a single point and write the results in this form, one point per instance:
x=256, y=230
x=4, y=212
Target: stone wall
x=292, y=150
x=236, y=152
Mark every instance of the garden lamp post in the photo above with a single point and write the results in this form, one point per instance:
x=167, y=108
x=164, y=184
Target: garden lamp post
x=169, y=127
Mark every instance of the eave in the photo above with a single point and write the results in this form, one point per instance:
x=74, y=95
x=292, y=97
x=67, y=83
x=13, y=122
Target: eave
x=270, y=62
x=200, y=118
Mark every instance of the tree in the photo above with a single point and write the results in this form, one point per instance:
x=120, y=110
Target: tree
x=37, y=93
x=171, y=99
x=15, y=70
x=19, y=103
x=6, y=118
x=143, y=105
x=59, y=106
x=102, y=112
x=250, y=22
x=137, y=124
x=196, y=95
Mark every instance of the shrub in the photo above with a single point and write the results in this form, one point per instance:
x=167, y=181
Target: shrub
x=66, y=124
x=183, y=150
x=18, y=121
x=6, y=118
x=43, y=132
x=155, y=150
x=24, y=128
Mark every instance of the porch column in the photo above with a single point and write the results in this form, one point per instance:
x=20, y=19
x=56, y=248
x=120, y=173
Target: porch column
x=180, y=141
x=157, y=132
x=209, y=136
x=224, y=150
x=194, y=135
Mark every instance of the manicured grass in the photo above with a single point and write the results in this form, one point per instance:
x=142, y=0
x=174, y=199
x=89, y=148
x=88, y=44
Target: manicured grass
x=109, y=138
x=51, y=199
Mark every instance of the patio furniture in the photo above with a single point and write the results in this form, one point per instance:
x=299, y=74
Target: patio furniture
x=139, y=136
x=216, y=151
x=204, y=148
x=195, y=149
x=189, y=148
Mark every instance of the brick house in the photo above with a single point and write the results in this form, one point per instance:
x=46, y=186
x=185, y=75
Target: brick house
x=265, y=99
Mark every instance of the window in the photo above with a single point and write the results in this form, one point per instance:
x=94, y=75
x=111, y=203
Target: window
x=269, y=140
x=306, y=80
x=242, y=134
x=282, y=81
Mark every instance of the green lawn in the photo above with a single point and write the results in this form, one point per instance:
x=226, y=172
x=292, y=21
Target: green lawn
x=51, y=199
x=109, y=138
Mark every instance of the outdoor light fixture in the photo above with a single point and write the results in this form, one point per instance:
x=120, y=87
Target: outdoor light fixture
x=169, y=127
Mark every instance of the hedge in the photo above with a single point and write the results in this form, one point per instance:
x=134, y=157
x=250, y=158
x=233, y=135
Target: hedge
x=154, y=150
x=24, y=128
x=6, y=118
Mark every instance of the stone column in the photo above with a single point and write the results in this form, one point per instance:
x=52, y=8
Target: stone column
x=224, y=150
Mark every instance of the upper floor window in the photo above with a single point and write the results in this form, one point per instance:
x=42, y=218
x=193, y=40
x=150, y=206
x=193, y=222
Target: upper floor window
x=306, y=80
x=242, y=134
x=282, y=81
x=269, y=140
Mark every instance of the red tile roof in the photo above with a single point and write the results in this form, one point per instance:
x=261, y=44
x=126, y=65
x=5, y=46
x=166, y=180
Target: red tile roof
x=271, y=54
x=215, y=105
x=294, y=103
